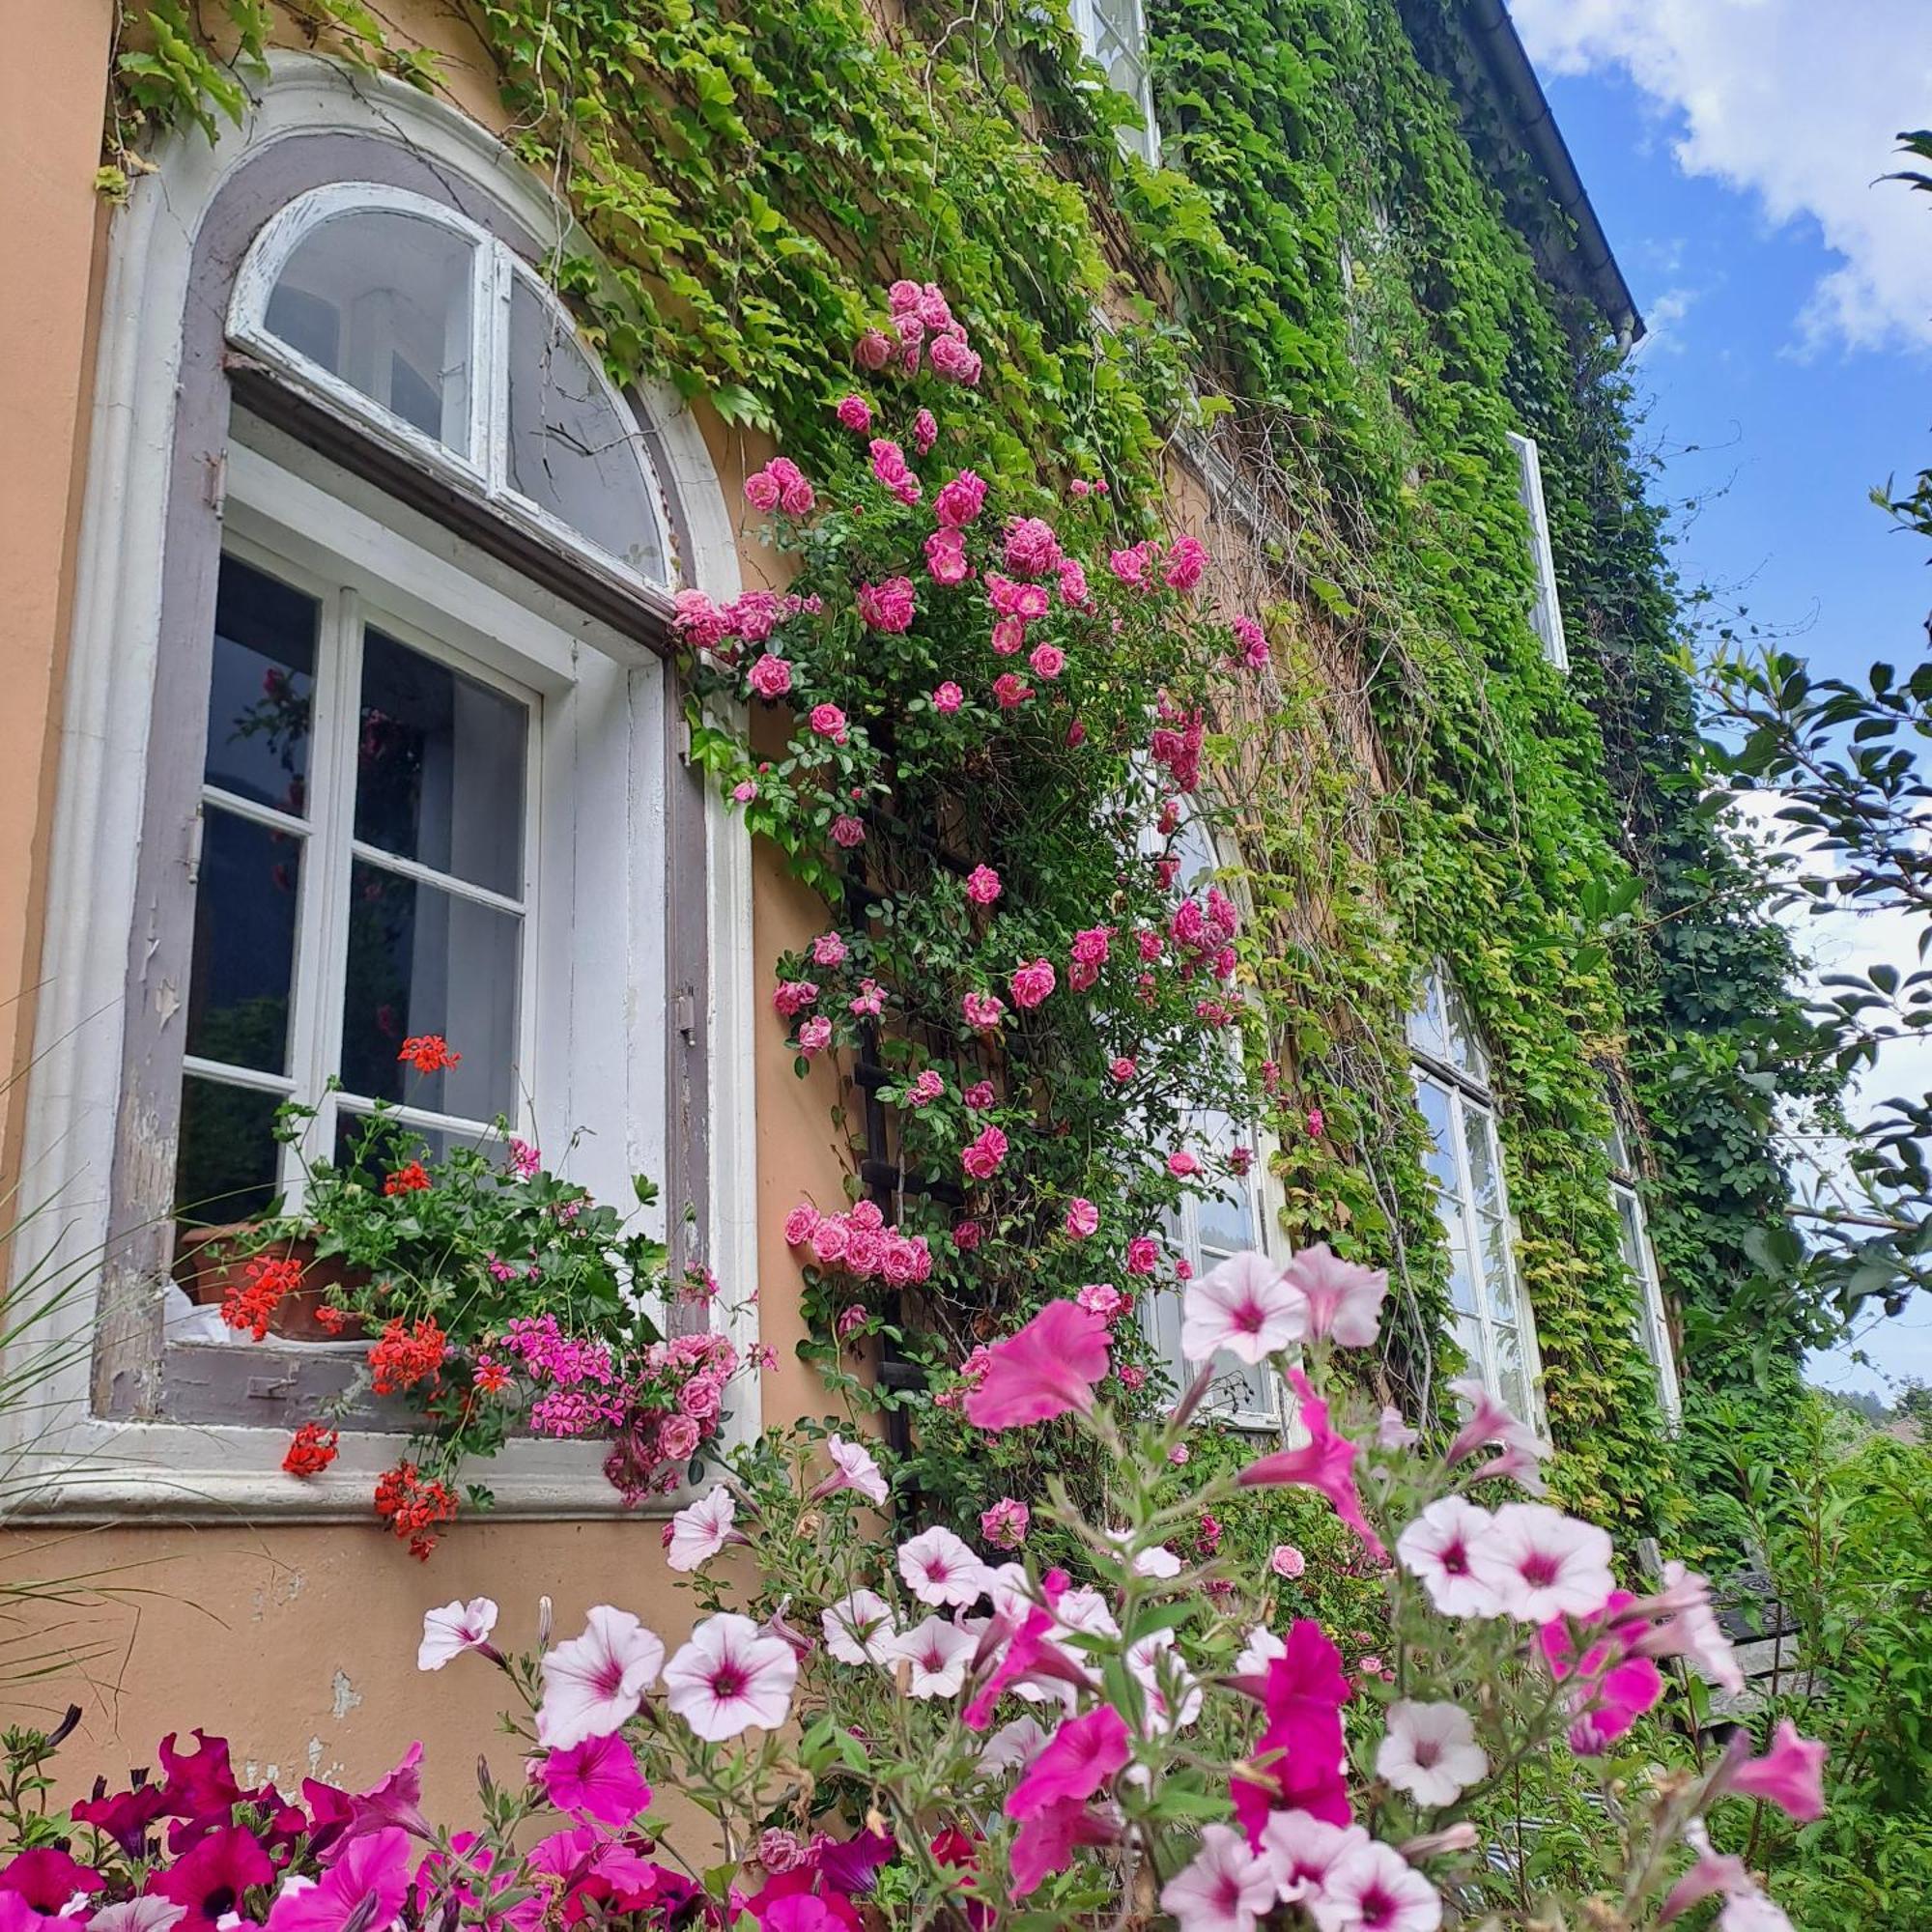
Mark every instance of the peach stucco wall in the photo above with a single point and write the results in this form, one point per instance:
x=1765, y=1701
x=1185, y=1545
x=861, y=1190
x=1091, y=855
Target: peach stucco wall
x=295, y=1641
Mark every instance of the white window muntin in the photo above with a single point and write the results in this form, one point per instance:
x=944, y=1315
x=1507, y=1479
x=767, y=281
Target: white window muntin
x=1494, y=1320
x=349, y=608
x=1640, y=1259
x=1545, y=614
x=481, y=464
x=1114, y=33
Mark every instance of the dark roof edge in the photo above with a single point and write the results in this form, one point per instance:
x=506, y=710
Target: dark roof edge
x=1494, y=35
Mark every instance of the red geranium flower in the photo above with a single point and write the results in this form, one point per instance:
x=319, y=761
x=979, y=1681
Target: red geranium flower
x=410, y=1180
x=311, y=1450
x=428, y=1053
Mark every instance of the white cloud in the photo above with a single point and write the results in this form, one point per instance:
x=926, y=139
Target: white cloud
x=1795, y=104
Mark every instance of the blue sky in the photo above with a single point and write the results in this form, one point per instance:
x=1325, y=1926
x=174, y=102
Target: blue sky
x=1731, y=149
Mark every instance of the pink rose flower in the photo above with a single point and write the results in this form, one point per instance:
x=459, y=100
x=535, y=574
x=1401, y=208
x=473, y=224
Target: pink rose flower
x=1284, y=1560
x=829, y=722
x=1032, y=548
x=678, y=1438
x=1315, y=1122
x=948, y=698
x=851, y=1318
x=887, y=607
x=960, y=500
x=770, y=677
x=828, y=949
x=1101, y=1298
x=1129, y=565
x=801, y=1224
x=855, y=413
x=699, y=621
x=925, y=1089
x=1121, y=1070
x=946, y=557
x=830, y=1238
x=1132, y=1378
x=815, y=1036
x=1073, y=591
x=1011, y=693
x=1008, y=636
x=1047, y=660
x=791, y=997
x=1186, y=562
x=847, y=831
x=1181, y=1164
x=1030, y=984
x=1005, y=1526
x=979, y=1095
x=870, y=999
x=925, y=431
x=1082, y=1218
x=983, y=1156
x=1143, y=1255
x=872, y=351
x=745, y=790
x=763, y=489
x=966, y=1236
x=982, y=885
x=983, y=1010
x=953, y=360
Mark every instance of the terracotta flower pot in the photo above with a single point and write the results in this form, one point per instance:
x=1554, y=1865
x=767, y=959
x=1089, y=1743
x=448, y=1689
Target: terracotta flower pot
x=211, y=1261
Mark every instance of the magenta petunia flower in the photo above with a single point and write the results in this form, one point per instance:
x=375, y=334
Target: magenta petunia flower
x=1046, y=1368
x=598, y=1777
x=1326, y=1461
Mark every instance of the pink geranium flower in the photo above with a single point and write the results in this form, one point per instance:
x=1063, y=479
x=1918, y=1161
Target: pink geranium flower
x=730, y=1676
x=1046, y=1368
x=1242, y=1305
x=1326, y=1461
x=599, y=1779
x=1225, y=1887
x=1343, y=1299
x=595, y=1683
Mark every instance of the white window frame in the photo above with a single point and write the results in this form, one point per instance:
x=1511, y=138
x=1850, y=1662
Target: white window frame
x=1092, y=23
x=1466, y=1087
x=1652, y=1322
x=485, y=472
x=67, y=1461
x=1260, y=1194
x=1545, y=614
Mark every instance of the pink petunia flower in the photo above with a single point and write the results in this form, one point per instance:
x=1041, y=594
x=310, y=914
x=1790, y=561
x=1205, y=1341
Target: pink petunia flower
x=858, y=1628
x=701, y=1529
x=599, y=1779
x=1301, y=1851
x=1242, y=1305
x=1541, y=1564
x=853, y=1467
x=1044, y=1370
x=1790, y=1775
x=1609, y=1687
x=937, y=1651
x=730, y=1676
x=1326, y=1461
x=1343, y=1300
x=1082, y=1756
x=1375, y=1887
x=1297, y=1761
x=1225, y=1887
x=453, y=1629
x=1436, y=1547
x=1429, y=1750
x=595, y=1681
x=940, y=1570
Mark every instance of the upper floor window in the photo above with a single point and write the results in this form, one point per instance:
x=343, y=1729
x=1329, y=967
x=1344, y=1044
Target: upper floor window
x=1494, y=1322
x=1113, y=32
x=1206, y=1229
x=433, y=335
x=1640, y=1259
x=1545, y=614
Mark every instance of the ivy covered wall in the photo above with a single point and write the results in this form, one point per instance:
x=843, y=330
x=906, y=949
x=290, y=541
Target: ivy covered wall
x=1325, y=288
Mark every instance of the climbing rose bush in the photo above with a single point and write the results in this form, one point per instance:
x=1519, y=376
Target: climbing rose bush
x=905, y=1729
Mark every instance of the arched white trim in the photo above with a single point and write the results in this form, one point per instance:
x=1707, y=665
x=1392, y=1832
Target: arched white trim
x=75, y=1090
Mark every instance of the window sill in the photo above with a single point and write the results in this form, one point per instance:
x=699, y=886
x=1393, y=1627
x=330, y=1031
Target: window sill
x=106, y=1473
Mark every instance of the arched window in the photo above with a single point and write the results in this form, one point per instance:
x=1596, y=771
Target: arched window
x=1653, y=1322
x=437, y=339
x=1494, y=1322
x=372, y=730
x=1206, y=1229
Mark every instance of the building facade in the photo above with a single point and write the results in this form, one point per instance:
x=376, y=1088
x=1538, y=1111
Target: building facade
x=317, y=444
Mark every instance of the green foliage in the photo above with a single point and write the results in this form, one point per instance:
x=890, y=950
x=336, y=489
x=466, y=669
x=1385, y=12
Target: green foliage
x=1329, y=264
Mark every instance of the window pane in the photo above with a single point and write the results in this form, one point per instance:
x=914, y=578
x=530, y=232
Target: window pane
x=571, y=453
x=1440, y=1159
x=1462, y=1277
x=421, y=960
x=1465, y=1042
x=225, y=1168
x=1227, y=1225
x=381, y=300
x=261, y=688
x=1428, y=1029
x=1498, y=1272
x=244, y=940
x=1469, y=1338
x=427, y=1144
x=1486, y=1181
x=440, y=767
x=1512, y=1389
